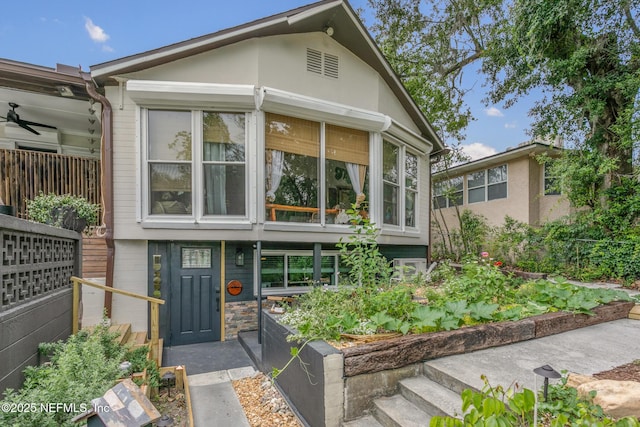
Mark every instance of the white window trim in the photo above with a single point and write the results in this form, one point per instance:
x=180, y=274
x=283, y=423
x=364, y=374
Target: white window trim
x=401, y=228
x=486, y=185
x=447, y=200
x=192, y=95
x=294, y=289
x=319, y=110
x=506, y=181
x=196, y=219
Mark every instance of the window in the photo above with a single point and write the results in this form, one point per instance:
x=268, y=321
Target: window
x=490, y=184
x=170, y=162
x=223, y=159
x=178, y=185
x=292, y=271
x=550, y=181
x=409, y=268
x=497, y=188
x=400, y=185
x=448, y=193
x=294, y=165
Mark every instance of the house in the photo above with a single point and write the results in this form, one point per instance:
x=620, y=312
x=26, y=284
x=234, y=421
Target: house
x=235, y=156
x=513, y=183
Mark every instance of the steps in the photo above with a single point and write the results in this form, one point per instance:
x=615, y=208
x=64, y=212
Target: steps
x=419, y=399
x=126, y=336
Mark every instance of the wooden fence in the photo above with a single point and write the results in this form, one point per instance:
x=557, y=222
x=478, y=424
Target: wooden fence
x=26, y=174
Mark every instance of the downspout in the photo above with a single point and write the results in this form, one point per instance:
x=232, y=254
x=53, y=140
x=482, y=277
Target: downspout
x=106, y=182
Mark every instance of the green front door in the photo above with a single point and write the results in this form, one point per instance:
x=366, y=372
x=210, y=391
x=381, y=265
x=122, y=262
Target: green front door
x=195, y=293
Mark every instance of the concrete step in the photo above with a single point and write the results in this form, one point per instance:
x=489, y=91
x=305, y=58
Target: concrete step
x=431, y=397
x=446, y=379
x=396, y=411
x=366, y=421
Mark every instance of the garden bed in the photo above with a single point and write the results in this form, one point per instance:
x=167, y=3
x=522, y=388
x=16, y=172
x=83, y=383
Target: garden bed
x=406, y=350
x=374, y=369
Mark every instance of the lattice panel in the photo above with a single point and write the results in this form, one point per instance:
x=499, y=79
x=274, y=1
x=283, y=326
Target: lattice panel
x=33, y=265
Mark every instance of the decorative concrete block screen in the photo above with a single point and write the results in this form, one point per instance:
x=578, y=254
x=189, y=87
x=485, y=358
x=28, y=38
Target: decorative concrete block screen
x=36, y=260
x=36, y=264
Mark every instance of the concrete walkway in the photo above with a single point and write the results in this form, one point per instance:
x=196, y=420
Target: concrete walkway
x=213, y=399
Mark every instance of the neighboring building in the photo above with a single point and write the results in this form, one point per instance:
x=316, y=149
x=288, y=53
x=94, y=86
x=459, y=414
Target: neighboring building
x=235, y=155
x=512, y=183
x=50, y=131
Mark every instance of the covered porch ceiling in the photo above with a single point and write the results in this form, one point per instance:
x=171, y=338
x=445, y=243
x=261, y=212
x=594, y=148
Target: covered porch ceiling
x=55, y=97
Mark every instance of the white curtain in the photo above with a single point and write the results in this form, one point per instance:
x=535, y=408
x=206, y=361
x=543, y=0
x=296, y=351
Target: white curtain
x=357, y=174
x=215, y=179
x=275, y=165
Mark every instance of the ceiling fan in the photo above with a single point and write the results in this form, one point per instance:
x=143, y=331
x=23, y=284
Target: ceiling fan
x=12, y=116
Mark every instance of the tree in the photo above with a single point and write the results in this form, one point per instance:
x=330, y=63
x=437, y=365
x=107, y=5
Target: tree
x=582, y=55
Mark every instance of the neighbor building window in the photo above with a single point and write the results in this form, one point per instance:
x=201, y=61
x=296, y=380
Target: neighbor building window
x=400, y=185
x=196, y=163
x=295, y=165
x=293, y=270
x=550, y=181
x=448, y=193
x=490, y=184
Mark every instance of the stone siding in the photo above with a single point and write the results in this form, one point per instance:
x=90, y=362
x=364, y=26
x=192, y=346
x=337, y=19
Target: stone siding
x=240, y=316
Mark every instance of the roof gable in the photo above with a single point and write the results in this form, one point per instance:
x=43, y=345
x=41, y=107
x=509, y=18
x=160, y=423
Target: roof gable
x=337, y=14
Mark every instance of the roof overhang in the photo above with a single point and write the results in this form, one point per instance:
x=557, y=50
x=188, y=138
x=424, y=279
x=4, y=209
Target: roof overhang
x=532, y=149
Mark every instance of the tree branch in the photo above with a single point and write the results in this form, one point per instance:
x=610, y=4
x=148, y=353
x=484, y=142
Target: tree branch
x=630, y=21
x=461, y=64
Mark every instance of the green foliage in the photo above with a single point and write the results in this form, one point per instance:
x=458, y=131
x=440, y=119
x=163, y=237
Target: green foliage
x=466, y=240
x=479, y=294
x=39, y=209
x=81, y=369
x=499, y=407
x=368, y=266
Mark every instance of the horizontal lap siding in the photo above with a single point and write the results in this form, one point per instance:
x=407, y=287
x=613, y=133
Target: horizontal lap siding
x=94, y=257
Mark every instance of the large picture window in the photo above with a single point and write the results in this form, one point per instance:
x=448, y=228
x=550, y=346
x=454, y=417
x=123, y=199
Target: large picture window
x=196, y=163
x=400, y=185
x=295, y=163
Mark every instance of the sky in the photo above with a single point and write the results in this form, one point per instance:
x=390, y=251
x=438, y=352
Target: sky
x=86, y=33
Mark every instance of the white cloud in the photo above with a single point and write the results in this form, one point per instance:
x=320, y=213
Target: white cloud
x=107, y=48
x=511, y=125
x=493, y=112
x=96, y=33
x=477, y=150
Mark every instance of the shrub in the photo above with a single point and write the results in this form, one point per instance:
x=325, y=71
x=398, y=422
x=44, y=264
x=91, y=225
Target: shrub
x=41, y=207
x=81, y=369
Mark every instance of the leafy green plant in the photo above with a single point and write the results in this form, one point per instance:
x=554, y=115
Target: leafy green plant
x=361, y=254
x=497, y=406
x=40, y=208
x=81, y=369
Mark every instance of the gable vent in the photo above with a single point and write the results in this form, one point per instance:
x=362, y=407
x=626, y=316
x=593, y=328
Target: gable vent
x=322, y=63
x=314, y=61
x=330, y=65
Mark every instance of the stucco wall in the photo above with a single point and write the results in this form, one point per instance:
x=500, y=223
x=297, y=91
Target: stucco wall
x=525, y=201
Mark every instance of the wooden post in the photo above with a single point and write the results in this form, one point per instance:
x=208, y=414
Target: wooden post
x=76, y=302
x=179, y=371
x=155, y=331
